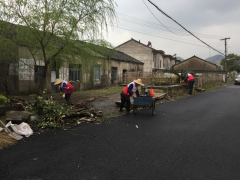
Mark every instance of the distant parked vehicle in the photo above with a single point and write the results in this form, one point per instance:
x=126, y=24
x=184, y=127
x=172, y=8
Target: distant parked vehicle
x=237, y=79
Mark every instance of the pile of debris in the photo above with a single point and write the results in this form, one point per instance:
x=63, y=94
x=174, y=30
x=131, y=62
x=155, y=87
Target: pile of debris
x=18, y=104
x=84, y=114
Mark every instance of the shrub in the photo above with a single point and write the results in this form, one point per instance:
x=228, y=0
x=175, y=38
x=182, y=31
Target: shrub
x=3, y=100
x=49, y=113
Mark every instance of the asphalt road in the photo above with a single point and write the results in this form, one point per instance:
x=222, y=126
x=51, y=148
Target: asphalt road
x=198, y=138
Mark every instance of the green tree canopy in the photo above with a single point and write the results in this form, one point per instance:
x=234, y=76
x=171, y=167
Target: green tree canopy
x=233, y=62
x=57, y=31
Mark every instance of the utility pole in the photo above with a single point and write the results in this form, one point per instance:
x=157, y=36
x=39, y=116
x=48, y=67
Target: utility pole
x=225, y=39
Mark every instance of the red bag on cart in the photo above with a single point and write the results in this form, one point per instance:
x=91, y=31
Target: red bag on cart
x=152, y=94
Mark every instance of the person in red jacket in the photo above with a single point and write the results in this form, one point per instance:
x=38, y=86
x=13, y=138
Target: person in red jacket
x=189, y=77
x=66, y=88
x=128, y=92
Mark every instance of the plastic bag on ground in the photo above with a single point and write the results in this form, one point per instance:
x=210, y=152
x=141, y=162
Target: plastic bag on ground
x=22, y=129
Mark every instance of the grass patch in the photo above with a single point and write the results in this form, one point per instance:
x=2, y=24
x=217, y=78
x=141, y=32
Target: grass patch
x=211, y=86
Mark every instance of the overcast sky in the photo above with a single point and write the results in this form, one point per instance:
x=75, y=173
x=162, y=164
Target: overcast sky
x=210, y=20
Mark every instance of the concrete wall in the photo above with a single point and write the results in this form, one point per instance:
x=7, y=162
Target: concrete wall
x=172, y=62
x=27, y=84
x=22, y=78
x=166, y=63
x=195, y=64
x=139, y=52
x=87, y=75
x=158, y=62
x=121, y=66
x=7, y=57
x=13, y=83
x=21, y=74
x=150, y=57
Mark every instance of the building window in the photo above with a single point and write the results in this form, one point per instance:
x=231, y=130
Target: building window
x=160, y=63
x=96, y=73
x=74, y=72
x=38, y=72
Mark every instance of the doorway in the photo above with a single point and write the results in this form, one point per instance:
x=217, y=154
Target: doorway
x=124, y=76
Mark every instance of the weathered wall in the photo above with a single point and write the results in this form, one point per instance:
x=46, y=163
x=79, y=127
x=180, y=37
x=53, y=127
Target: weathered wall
x=205, y=78
x=195, y=64
x=6, y=59
x=166, y=63
x=87, y=75
x=22, y=77
x=158, y=61
x=172, y=62
x=139, y=52
x=13, y=83
x=121, y=66
x=26, y=63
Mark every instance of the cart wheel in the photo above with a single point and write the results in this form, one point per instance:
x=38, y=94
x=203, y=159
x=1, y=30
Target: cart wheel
x=134, y=110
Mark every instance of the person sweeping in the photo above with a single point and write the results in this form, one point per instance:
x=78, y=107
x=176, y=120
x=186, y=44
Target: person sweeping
x=128, y=92
x=66, y=88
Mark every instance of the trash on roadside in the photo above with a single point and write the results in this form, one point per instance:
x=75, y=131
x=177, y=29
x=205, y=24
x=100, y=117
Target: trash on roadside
x=10, y=133
x=33, y=118
x=22, y=129
x=136, y=126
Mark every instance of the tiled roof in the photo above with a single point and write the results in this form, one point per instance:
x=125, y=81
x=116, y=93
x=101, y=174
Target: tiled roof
x=120, y=56
x=196, y=57
x=141, y=44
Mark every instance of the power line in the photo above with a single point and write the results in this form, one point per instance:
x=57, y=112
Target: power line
x=158, y=19
x=157, y=26
x=160, y=36
x=184, y=28
x=172, y=38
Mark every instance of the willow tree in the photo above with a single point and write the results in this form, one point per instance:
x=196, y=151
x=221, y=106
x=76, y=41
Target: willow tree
x=57, y=31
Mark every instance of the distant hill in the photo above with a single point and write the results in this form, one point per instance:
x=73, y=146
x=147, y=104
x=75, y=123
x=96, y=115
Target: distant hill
x=216, y=59
x=181, y=59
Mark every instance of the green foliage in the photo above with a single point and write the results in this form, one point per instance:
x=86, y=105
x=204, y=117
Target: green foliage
x=233, y=62
x=58, y=31
x=49, y=113
x=4, y=100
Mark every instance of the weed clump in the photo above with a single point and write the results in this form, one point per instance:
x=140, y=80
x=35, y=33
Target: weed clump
x=49, y=113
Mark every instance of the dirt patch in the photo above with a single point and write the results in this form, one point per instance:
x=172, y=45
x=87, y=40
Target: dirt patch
x=6, y=141
x=106, y=104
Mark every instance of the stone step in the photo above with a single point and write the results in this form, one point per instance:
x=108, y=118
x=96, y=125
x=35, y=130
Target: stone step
x=17, y=117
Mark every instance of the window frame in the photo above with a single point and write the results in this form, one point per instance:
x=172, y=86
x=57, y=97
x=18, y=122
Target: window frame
x=99, y=73
x=37, y=71
x=74, y=72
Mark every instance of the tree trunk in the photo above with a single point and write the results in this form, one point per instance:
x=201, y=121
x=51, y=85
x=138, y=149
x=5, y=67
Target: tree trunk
x=42, y=84
x=6, y=80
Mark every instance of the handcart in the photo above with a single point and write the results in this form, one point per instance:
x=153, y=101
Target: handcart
x=144, y=101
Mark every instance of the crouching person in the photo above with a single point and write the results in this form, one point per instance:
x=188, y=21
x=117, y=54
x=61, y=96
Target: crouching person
x=66, y=88
x=128, y=92
x=189, y=77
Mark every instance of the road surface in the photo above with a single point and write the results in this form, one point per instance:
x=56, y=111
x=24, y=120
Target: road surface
x=198, y=138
